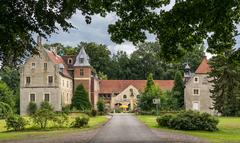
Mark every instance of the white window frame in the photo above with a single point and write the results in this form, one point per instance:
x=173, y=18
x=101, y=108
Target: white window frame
x=49, y=96
x=29, y=97
x=198, y=92
x=33, y=67
x=196, y=77
x=198, y=105
x=48, y=79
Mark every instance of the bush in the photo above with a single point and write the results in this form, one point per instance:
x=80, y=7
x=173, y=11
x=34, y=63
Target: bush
x=44, y=115
x=100, y=105
x=15, y=122
x=189, y=120
x=66, y=109
x=164, y=120
x=94, y=113
x=32, y=108
x=61, y=120
x=46, y=105
x=80, y=122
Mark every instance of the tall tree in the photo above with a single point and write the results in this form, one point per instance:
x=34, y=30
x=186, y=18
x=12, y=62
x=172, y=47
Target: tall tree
x=11, y=77
x=150, y=92
x=6, y=95
x=80, y=99
x=187, y=23
x=225, y=77
x=178, y=89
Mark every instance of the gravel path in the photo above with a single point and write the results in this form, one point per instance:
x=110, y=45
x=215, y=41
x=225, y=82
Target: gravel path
x=125, y=128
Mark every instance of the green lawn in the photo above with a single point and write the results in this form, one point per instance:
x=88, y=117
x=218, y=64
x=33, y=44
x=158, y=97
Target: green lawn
x=4, y=134
x=229, y=129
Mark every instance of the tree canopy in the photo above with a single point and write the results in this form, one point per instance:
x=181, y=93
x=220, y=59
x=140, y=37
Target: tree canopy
x=186, y=24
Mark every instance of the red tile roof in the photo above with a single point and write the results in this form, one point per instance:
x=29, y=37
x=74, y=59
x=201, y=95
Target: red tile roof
x=204, y=67
x=56, y=59
x=109, y=86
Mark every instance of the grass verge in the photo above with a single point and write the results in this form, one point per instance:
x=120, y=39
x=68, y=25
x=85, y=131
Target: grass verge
x=94, y=122
x=229, y=129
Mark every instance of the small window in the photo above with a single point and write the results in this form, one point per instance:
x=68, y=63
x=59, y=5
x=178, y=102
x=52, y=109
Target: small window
x=67, y=97
x=196, y=79
x=124, y=96
x=63, y=82
x=195, y=91
x=28, y=80
x=196, y=106
x=70, y=61
x=32, y=97
x=46, y=97
x=50, y=79
x=45, y=66
x=81, y=72
x=67, y=83
x=33, y=65
x=81, y=60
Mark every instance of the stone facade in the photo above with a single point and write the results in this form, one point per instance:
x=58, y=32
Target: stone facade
x=197, y=89
x=41, y=80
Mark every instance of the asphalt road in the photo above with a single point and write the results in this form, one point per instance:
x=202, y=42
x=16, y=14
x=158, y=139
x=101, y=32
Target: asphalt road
x=125, y=128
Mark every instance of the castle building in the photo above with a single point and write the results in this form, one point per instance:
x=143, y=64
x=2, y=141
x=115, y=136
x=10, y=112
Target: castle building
x=53, y=78
x=197, y=94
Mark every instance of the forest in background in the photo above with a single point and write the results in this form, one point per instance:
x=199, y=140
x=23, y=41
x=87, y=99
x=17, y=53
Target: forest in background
x=147, y=58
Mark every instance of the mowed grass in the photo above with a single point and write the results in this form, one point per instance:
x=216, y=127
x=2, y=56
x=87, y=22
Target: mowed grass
x=229, y=129
x=31, y=131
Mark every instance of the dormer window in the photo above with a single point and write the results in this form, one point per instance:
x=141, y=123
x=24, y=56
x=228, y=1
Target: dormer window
x=81, y=60
x=70, y=61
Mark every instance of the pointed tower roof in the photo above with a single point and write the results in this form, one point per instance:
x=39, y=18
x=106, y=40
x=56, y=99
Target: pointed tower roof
x=204, y=67
x=82, y=58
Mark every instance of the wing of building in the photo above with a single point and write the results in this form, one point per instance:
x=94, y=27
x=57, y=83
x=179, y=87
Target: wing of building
x=197, y=88
x=53, y=78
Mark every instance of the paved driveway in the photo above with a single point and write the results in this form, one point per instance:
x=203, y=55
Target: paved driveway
x=125, y=128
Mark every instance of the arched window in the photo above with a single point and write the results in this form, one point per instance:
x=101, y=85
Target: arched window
x=124, y=96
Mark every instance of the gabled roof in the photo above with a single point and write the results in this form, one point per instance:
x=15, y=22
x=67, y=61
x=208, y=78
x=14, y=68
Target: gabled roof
x=204, y=67
x=82, y=54
x=56, y=59
x=117, y=86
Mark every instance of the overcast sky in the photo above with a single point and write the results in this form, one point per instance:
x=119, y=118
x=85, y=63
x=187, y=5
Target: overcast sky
x=95, y=32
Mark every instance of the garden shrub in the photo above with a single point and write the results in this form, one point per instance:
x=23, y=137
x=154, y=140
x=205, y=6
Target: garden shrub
x=44, y=115
x=80, y=122
x=164, y=120
x=32, y=108
x=61, y=120
x=189, y=120
x=66, y=109
x=101, y=105
x=15, y=122
x=93, y=113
